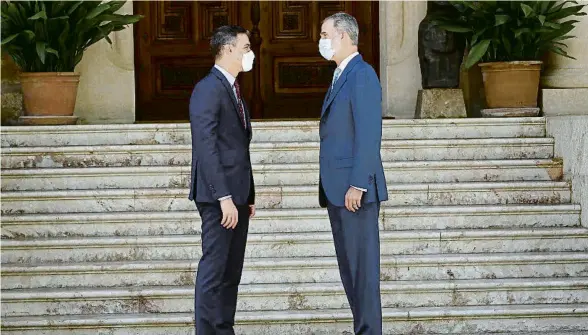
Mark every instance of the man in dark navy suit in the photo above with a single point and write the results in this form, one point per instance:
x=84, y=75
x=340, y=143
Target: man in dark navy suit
x=352, y=182
x=222, y=179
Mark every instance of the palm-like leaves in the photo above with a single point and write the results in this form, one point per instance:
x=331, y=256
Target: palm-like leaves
x=51, y=36
x=499, y=31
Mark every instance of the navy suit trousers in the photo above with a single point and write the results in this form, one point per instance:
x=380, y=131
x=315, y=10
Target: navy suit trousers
x=219, y=270
x=357, y=244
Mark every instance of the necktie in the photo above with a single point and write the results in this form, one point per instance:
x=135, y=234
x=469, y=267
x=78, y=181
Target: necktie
x=240, y=104
x=335, y=77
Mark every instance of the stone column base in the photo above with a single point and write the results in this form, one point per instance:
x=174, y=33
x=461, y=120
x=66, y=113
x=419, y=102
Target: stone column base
x=564, y=101
x=440, y=103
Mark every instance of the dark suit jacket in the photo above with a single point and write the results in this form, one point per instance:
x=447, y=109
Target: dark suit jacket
x=221, y=163
x=351, y=136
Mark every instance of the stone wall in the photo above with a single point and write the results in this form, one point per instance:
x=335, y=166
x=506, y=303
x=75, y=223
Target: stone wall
x=565, y=81
x=565, y=105
x=571, y=144
x=107, y=85
x=562, y=72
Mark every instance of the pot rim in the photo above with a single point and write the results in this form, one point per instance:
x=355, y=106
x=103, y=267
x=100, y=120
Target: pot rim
x=516, y=62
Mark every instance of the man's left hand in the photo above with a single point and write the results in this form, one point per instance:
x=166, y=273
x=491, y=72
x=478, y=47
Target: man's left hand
x=251, y=211
x=353, y=199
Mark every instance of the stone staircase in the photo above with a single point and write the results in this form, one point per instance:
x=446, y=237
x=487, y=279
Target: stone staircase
x=479, y=235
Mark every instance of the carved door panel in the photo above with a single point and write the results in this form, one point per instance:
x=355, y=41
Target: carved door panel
x=172, y=53
x=294, y=76
x=289, y=78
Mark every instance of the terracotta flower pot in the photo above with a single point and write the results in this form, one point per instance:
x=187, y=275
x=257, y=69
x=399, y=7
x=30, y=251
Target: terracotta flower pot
x=49, y=93
x=511, y=84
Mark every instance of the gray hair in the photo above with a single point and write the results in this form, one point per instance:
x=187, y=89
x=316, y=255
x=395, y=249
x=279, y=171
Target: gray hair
x=344, y=22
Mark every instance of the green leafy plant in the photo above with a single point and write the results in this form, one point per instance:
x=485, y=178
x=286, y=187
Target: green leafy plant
x=51, y=36
x=503, y=31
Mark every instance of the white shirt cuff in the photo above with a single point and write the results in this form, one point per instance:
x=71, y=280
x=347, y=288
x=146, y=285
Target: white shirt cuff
x=361, y=189
x=225, y=198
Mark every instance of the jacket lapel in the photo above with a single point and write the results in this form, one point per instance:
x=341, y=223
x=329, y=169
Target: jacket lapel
x=332, y=93
x=230, y=91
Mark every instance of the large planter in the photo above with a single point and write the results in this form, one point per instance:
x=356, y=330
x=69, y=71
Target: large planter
x=511, y=84
x=49, y=97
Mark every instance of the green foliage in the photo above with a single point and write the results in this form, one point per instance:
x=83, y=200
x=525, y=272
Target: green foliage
x=51, y=36
x=503, y=31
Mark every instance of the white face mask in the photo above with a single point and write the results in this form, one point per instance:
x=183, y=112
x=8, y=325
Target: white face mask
x=326, y=49
x=247, y=61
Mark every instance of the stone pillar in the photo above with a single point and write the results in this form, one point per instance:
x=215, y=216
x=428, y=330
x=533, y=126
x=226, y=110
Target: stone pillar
x=107, y=84
x=571, y=144
x=400, y=73
x=565, y=81
x=565, y=106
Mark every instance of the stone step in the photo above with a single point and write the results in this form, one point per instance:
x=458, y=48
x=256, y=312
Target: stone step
x=312, y=244
x=297, y=270
x=122, y=200
x=275, y=221
x=104, y=249
x=275, y=297
x=278, y=174
x=556, y=318
x=280, y=131
x=275, y=153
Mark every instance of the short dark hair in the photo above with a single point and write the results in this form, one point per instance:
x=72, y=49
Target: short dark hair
x=224, y=35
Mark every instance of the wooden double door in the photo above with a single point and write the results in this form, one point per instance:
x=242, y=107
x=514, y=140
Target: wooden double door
x=289, y=78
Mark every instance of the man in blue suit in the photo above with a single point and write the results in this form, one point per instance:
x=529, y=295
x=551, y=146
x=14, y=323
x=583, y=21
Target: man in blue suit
x=222, y=180
x=352, y=182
